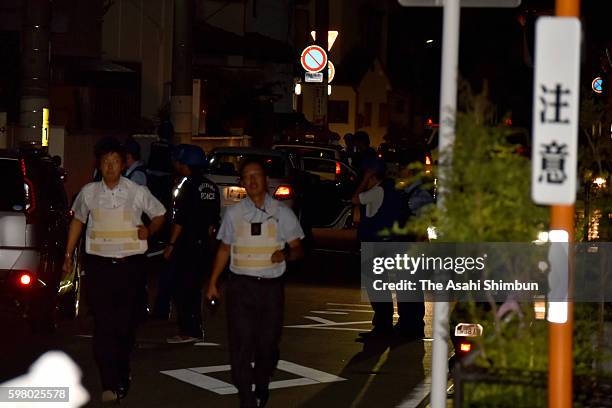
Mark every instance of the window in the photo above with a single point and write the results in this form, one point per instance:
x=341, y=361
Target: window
x=338, y=111
x=13, y=193
x=383, y=115
x=367, y=114
x=228, y=164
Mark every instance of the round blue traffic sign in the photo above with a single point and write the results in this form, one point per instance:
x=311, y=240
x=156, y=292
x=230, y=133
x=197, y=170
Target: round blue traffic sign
x=597, y=85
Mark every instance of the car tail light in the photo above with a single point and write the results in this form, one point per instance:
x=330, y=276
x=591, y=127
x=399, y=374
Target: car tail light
x=338, y=169
x=283, y=193
x=465, y=347
x=25, y=279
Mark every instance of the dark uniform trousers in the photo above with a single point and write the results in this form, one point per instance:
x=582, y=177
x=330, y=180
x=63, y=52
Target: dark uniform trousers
x=190, y=264
x=114, y=291
x=255, y=320
x=410, y=307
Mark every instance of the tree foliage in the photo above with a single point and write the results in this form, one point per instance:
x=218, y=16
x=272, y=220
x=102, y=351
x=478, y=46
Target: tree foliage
x=487, y=184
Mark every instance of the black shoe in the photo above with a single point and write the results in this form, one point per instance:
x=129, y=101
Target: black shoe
x=262, y=394
x=123, y=388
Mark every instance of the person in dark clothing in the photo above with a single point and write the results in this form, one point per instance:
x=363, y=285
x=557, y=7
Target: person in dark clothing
x=135, y=168
x=363, y=154
x=195, y=217
x=381, y=206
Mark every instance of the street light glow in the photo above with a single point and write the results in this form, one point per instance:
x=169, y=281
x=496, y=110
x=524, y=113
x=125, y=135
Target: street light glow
x=599, y=181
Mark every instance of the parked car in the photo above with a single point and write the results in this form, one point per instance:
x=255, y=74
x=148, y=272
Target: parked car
x=224, y=166
x=34, y=220
x=396, y=156
x=327, y=192
x=324, y=151
x=317, y=189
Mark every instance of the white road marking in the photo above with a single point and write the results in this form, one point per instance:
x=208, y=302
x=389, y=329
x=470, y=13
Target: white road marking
x=352, y=310
x=328, y=312
x=307, y=372
x=336, y=328
x=196, y=376
x=210, y=369
x=199, y=380
x=309, y=326
x=204, y=344
x=319, y=319
x=350, y=304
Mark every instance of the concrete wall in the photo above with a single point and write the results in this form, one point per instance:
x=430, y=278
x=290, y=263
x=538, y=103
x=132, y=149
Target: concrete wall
x=229, y=16
x=267, y=17
x=339, y=93
x=141, y=31
x=345, y=93
x=374, y=88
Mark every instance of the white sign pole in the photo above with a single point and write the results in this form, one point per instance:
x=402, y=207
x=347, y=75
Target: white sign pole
x=448, y=110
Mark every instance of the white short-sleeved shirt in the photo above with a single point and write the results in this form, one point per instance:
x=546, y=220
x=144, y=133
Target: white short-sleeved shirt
x=289, y=228
x=98, y=195
x=372, y=199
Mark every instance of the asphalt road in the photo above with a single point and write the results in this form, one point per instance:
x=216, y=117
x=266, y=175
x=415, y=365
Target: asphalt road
x=321, y=363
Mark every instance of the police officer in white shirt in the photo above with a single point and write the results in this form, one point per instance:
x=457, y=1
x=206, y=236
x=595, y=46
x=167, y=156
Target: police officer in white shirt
x=115, y=243
x=257, y=236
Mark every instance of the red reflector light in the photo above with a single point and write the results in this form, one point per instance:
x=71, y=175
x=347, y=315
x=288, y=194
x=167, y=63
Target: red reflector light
x=283, y=193
x=465, y=347
x=25, y=279
x=338, y=169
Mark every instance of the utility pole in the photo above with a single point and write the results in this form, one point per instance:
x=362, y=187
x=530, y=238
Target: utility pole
x=560, y=355
x=448, y=113
x=182, y=66
x=320, y=90
x=35, y=70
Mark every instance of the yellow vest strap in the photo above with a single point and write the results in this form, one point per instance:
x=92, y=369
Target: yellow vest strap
x=132, y=234
x=252, y=263
x=128, y=246
x=254, y=250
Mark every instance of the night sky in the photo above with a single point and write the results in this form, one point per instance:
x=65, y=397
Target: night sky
x=494, y=47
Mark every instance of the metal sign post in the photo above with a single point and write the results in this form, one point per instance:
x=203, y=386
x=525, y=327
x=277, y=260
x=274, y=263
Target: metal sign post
x=448, y=108
x=556, y=132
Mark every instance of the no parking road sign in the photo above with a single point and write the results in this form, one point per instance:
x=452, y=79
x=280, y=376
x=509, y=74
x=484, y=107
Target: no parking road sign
x=314, y=58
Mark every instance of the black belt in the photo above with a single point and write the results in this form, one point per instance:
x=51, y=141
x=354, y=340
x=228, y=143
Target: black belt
x=255, y=278
x=110, y=260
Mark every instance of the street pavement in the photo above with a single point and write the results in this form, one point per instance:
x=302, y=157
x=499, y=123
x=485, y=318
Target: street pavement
x=322, y=364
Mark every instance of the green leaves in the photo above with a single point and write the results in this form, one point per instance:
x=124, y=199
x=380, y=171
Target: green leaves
x=488, y=183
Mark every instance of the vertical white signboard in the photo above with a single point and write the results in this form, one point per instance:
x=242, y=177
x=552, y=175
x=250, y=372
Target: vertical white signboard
x=556, y=106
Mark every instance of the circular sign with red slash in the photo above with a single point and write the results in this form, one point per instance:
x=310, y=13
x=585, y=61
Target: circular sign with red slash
x=331, y=71
x=314, y=58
